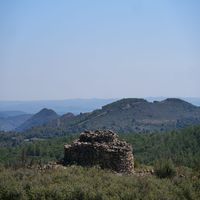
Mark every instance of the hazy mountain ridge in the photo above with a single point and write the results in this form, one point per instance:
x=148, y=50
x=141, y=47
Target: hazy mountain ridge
x=11, y=122
x=13, y=113
x=41, y=118
x=75, y=106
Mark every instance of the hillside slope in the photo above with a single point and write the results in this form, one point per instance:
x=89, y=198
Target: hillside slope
x=41, y=118
x=136, y=115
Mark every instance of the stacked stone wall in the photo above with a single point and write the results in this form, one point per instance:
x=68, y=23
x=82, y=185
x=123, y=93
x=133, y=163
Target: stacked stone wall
x=102, y=148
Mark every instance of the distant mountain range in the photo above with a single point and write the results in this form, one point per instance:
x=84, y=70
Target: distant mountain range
x=12, y=119
x=5, y=114
x=124, y=116
x=75, y=106
x=14, y=113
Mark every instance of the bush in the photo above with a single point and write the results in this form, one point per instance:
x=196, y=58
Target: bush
x=165, y=169
x=75, y=182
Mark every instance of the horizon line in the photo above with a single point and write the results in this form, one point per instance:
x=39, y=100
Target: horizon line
x=96, y=98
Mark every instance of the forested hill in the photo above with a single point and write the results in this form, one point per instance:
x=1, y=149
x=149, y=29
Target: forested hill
x=123, y=116
x=43, y=117
x=134, y=115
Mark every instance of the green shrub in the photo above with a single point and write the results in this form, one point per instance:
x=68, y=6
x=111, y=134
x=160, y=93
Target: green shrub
x=75, y=182
x=165, y=169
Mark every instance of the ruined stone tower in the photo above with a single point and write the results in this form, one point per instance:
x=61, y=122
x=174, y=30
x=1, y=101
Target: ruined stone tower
x=101, y=148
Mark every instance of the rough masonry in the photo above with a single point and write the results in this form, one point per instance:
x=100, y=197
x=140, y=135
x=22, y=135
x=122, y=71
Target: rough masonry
x=102, y=148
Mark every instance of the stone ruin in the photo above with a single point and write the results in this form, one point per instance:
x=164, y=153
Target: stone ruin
x=102, y=148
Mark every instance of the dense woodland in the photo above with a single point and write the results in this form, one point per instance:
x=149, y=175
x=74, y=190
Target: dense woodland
x=183, y=147
x=175, y=157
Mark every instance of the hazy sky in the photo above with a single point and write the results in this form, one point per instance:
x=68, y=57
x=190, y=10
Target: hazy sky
x=54, y=49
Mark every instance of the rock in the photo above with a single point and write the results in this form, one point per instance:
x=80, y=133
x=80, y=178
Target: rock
x=102, y=148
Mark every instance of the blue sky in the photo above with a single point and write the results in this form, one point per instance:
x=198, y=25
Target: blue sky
x=99, y=49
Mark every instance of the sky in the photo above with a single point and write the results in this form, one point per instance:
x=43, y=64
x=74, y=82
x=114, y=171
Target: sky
x=99, y=49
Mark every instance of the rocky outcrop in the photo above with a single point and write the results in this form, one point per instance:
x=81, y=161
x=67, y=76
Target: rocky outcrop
x=102, y=148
